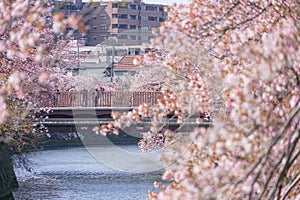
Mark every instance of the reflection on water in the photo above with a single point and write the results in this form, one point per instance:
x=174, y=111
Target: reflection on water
x=75, y=174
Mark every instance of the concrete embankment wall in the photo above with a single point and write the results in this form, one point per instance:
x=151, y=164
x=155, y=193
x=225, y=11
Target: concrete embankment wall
x=73, y=139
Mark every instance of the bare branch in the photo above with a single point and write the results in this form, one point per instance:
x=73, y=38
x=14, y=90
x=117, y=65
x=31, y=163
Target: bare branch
x=293, y=184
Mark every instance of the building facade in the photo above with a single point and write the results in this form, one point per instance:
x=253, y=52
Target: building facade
x=130, y=21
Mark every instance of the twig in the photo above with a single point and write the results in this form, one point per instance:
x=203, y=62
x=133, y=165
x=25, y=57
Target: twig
x=291, y=187
x=275, y=140
x=285, y=167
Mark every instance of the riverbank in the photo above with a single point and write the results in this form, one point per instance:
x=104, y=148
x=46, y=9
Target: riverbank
x=73, y=139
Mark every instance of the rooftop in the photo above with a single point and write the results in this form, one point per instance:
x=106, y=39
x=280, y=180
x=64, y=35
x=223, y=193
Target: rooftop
x=126, y=63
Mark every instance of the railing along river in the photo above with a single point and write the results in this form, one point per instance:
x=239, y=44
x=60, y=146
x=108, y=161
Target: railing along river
x=86, y=98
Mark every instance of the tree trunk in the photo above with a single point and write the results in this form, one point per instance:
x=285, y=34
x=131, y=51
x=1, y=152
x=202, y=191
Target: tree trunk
x=8, y=178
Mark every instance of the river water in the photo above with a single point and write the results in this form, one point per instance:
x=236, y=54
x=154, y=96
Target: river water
x=97, y=173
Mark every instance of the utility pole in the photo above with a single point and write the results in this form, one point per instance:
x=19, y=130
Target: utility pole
x=112, y=64
x=78, y=57
x=112, y=40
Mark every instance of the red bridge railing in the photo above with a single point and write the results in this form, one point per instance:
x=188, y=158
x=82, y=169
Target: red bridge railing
x=87, y=98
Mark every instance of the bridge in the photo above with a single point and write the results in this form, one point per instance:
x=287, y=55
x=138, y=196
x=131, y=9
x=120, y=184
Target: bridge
x=78, y=112
x=96, y=98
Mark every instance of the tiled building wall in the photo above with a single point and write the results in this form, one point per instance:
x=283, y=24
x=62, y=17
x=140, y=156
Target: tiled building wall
x=131, y=21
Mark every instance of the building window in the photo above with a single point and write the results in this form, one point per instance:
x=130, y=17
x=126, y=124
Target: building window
x=94, y=37
x=123, y=16
x=114, y=25
x=123, y=26
x=114, y=16
x=161, y=9
x=152, y=18
x=134, y=51
x=150, y=8
x=122, y=5
x=132, y=7
x=133, y=17
x=94, y=27
x=132, y=27
x=121, y=52
x=103, y=37
x=114, y=5
x=95, y=17
x=144, y=17
x=133, y=37
x=143, y=8
x=144, y=27
x=103, y=27
x=103, y=17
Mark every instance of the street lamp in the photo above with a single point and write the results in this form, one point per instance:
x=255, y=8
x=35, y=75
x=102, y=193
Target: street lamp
x=112, y=39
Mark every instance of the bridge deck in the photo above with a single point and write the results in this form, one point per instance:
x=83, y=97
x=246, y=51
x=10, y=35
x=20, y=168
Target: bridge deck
x=86, y=108
x=97, y=98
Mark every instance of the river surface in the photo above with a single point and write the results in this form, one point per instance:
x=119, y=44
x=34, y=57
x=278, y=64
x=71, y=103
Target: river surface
x=97, y=173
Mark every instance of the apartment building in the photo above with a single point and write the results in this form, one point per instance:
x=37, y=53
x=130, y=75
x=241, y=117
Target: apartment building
x=130, y=21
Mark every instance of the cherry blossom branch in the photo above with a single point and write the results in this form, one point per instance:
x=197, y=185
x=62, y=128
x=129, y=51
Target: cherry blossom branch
x=265, y=155
x=292, y=185
x=283, y=172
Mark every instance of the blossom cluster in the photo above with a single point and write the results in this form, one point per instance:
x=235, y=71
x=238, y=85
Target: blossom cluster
x=253, y=46
x=32, y=58
x=246, y=53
